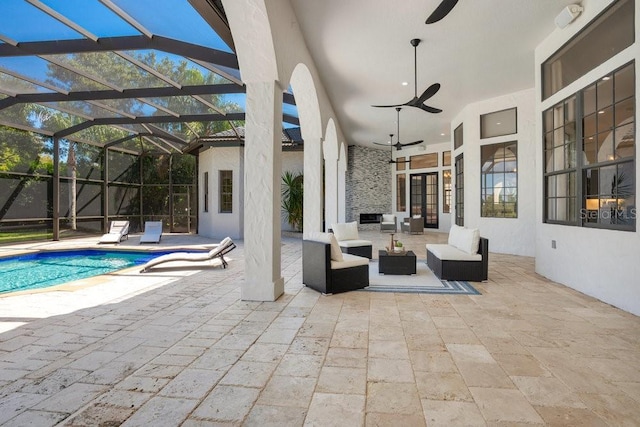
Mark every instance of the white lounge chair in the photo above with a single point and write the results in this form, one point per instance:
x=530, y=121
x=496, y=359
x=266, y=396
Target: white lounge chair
x=118, y=231
x=152, y=232
x=224, y=247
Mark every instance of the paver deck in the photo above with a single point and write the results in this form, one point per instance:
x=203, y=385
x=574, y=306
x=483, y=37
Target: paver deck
x=178, y=347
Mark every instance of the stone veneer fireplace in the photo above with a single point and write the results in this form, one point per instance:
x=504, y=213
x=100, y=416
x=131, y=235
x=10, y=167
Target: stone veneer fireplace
x=368, y=186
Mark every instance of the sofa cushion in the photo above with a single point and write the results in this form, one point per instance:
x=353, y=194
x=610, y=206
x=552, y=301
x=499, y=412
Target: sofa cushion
x=354, y=243
x=349, y=261
x=345, y=231
x=465, y=239
x=446, y=252
x=388, y=219
x=454, y=233
x=336, y=252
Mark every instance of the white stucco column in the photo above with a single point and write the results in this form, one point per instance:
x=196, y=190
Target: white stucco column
x=342, y=187
x=263, y=164
x=330, y=183
x=312, y=203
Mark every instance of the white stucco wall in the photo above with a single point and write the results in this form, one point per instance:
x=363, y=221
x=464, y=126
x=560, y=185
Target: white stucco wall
x=213, y=223
x=444, y=219
x=506, y=235
x=600, y=263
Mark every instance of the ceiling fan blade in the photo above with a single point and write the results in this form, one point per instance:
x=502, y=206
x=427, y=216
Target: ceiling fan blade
x=412, y=143
x=388, y=106
x=430, y=109
x=431, y=90
x=441, y=11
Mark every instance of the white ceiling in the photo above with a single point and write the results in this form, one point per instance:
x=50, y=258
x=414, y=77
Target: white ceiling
x=362, y=49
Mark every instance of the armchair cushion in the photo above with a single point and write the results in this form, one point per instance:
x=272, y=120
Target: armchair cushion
x=349, y=261
x=345, y=231
x=354, y=243
x=336, y=252
x=388, y=218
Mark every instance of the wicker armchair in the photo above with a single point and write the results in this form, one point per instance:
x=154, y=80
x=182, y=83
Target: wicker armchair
x=389, y=222
x=413, y=225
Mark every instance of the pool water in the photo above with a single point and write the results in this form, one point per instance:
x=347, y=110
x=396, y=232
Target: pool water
x=44, y=269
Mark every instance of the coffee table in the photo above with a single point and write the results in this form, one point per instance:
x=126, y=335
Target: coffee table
x=397, y=263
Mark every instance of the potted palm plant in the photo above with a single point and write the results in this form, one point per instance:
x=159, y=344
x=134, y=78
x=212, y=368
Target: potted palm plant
x=292, y=206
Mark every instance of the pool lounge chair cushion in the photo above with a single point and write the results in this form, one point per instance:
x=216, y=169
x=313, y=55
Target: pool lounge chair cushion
x=152, y=232
x=118, y=231
x=223, y=248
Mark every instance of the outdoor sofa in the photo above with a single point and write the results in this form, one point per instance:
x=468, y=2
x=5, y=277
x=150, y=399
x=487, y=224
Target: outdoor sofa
x=464, y=257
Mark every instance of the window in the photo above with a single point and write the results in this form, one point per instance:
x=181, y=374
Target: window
x=446, y=158
x=605, y=37
x=423, y=161
x=459, y=190
x=226, y=191
x=457, y=137
x=499, y=180
x=608, y=145
x=499, y=123
x=205, y=181
x=401, y=197
x=446, y=193
x=400, y=163
x=590, y=168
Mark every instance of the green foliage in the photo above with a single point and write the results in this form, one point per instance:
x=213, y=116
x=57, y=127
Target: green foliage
x=292, y=198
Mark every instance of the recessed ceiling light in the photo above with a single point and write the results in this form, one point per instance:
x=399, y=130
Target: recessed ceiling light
x=601, y=112
x=405, y=83
x=605, y=78
x=442, y=134
x=498, y=123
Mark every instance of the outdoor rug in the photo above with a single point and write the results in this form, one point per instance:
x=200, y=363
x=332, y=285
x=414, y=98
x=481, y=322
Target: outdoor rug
x=423, y=282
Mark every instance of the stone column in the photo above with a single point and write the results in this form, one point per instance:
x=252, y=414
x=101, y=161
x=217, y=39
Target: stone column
x=263, y=163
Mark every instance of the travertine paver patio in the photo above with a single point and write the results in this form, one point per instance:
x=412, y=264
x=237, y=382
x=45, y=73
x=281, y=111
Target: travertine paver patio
x=178, y=347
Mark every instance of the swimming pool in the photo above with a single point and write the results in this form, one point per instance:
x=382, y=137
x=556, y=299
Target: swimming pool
x=44, y=269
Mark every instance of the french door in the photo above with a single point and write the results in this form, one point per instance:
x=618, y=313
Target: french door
x=424, y=197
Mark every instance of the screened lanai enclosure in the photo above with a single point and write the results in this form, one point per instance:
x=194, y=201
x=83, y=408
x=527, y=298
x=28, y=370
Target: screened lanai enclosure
x=99, y=102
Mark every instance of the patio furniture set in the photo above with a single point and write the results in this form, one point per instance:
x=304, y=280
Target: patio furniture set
x=338, y=261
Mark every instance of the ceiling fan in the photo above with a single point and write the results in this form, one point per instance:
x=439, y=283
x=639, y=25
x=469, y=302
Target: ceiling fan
x=418, y=102
x=441, y=11
x=398, y=144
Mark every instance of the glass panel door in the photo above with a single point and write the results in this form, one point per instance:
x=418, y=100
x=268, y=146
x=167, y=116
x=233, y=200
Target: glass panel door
x=424, y=198
x=431, y=200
